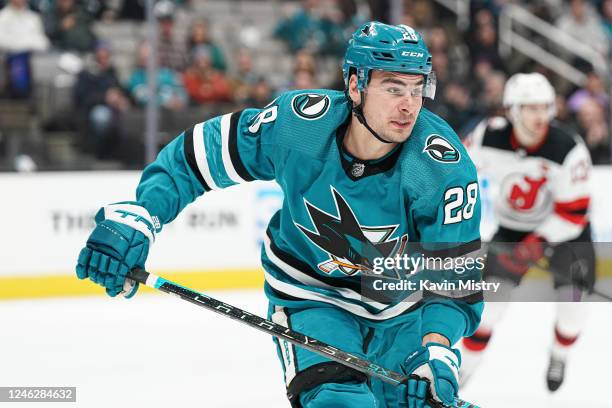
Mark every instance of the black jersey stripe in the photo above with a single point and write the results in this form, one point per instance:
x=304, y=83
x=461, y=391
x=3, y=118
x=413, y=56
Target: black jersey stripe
x=233, y=148
x=454, y=251
x=190, y=157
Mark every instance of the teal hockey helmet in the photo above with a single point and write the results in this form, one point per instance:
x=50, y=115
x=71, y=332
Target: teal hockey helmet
x=394, y=48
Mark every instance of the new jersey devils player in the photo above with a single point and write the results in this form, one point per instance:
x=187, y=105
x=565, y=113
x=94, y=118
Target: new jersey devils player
x=542, y=172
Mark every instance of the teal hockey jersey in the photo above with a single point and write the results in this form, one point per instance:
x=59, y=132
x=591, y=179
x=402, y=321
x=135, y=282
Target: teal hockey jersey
x=339, y=213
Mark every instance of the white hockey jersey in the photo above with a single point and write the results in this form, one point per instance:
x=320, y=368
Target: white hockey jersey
x=543, y=189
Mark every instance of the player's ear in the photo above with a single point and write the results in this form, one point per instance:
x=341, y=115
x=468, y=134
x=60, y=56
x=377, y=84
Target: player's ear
x=353, y=91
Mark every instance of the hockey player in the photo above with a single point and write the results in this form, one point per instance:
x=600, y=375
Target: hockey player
x=363, y=172
x=541, y=170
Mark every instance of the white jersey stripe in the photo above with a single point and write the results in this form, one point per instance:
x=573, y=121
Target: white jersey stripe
x=225, y=154
x=199, y=148
x=300, y=293
x=310, y=281
x=287, y=349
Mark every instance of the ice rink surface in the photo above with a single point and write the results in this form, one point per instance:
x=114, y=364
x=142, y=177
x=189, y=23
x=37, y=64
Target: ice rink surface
x=158, y=351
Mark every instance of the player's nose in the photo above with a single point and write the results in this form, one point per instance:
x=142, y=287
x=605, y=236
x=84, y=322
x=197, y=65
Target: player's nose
x=408, y=104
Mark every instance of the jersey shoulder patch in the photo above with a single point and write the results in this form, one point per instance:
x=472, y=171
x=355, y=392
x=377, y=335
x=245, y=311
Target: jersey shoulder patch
x=441, y=149
x=310, y=105
x=434, y=155
x=304, y=120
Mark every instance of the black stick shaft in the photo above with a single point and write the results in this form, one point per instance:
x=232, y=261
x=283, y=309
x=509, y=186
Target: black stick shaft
x=279, y=331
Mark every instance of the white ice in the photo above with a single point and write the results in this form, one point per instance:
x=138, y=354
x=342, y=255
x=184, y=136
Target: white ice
x=158, y=351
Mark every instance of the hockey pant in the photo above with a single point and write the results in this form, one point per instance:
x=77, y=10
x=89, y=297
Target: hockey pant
x=314, y=381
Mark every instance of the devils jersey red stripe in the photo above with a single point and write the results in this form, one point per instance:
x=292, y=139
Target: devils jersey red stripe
x=573, y=211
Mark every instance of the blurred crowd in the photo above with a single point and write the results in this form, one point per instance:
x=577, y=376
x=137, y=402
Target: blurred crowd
x=197, y=76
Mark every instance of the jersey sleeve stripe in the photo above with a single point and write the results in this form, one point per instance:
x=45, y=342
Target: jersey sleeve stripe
x=226, y=129
x=455, y=251
x=573, y=211
x=199, y=149
x=191, y=158
x=237, y=163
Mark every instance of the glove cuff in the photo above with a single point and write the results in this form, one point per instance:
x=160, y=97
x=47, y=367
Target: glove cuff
x=450, y=357
x=132, y=215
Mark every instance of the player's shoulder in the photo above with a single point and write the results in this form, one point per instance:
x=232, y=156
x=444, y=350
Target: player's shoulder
x=434, y=155
x=560, y=143
x=306, y=119
x=308, y=107
x=496, y=133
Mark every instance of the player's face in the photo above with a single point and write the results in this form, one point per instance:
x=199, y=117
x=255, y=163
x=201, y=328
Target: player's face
x=535, y=119
x=392, y=103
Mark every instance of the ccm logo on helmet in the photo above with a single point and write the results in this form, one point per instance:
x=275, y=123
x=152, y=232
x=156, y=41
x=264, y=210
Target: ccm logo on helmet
x=412, y=54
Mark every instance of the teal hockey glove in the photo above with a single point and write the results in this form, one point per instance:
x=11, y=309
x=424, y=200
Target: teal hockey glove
x=433, y=371
x=120, y=242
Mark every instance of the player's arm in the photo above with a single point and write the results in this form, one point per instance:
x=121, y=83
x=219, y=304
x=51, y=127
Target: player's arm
x=571, y=198
x=449, y=229
x=215, y=154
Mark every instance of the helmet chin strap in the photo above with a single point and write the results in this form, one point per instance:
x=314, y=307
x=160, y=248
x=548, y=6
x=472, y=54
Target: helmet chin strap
x=358, y=111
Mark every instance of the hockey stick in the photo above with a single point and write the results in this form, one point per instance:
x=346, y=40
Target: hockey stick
x=543, y=264
x=281, y=332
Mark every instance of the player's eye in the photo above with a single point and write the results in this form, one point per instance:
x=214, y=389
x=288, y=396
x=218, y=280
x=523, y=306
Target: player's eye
x=394, y=90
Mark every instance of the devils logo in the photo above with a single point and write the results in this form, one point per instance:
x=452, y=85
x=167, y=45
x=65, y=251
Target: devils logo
x=351, y=246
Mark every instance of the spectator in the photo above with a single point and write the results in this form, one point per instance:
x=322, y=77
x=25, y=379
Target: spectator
x=69, y=27
x=422, y=12
x=260, y=94
x=483, y=43
x=170, y=93
x=303, y=29
x=594, y=128
x=99, y=99
x=172, y=53
x=304, y=79
x=459, y=109
x=606, y=13
x=563, y=113
x=581, y=22
x=336, y=25
x=200, y=35
x=492, y=94
x=21, y=32
x=21, y=29
x=304, y=72
x=245, y=77
x=594, y=89
x=203, y=83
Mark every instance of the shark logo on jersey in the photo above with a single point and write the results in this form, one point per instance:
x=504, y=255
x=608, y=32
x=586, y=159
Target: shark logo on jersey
x=441, y=150
x=310, y=106
x=351, y=246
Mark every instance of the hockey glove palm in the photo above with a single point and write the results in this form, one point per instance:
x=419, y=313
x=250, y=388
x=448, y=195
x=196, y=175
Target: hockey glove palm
x=433, y=371
x=119, y=243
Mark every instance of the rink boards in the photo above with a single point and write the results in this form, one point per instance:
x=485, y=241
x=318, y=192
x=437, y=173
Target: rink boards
x=213, y=244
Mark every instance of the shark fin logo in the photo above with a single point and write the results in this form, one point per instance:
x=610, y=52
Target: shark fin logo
x=351, y=246
x=310, y=106
x=441, y=150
